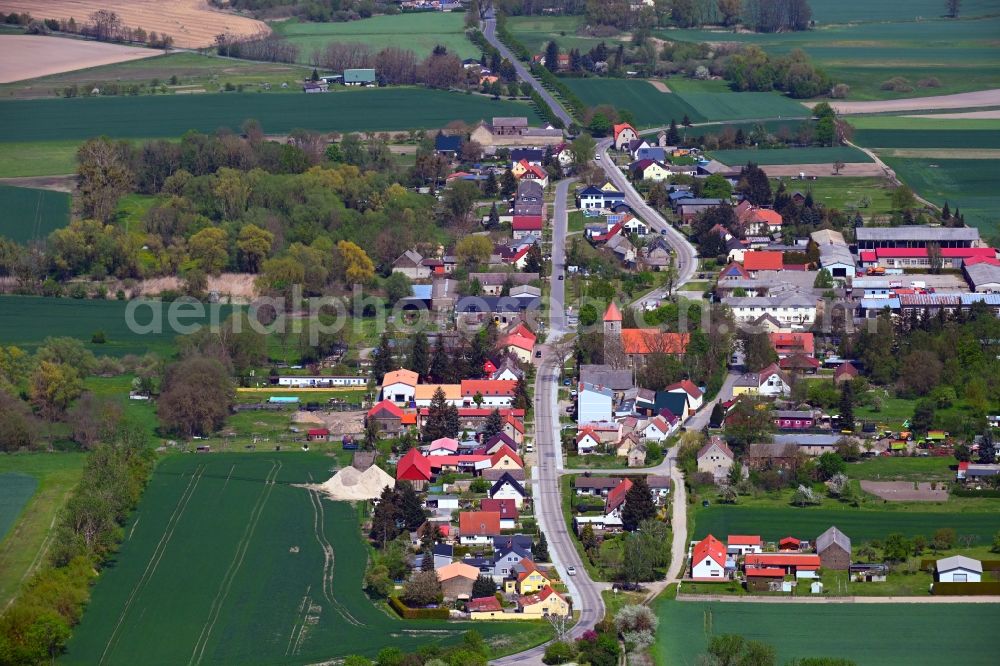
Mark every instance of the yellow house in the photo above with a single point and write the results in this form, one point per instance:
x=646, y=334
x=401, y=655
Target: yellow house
x=655, y=172
x=546, y=602
x=608, y=187
x=518, y=169
x=531, y=580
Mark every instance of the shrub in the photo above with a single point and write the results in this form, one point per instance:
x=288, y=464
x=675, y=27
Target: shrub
x=929, y=82
x=897, y=84
x=558, y=652
x=98, y=338
x=408, y=613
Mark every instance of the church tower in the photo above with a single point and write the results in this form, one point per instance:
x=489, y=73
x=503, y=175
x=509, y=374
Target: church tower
x=612, y=331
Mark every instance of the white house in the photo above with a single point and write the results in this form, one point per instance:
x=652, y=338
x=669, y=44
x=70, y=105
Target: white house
x=708, y=559
x=793, y=309
x=959, y=569
x=657, y=430
x=399, y=386
x=772, y=382
x=624, y=134
x=594, y=403
x=586, y=441
x=507, y=487
x=695, y=397
x=715, y=458
x=634, y=225
x=742, y=544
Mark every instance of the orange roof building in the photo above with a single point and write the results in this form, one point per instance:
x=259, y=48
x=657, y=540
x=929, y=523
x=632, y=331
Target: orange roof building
x=479, y=523
x=763, y=261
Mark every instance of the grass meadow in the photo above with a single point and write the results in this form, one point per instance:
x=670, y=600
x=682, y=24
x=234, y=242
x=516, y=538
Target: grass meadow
x=31, y=214
x=649, y=106
x=37, y=158
x=33, y=488
x=226, y=561
x=868, y=634
x=418, y=32
x=535, y=32
x=815, y=155
x=846, y=192
x=173, y=115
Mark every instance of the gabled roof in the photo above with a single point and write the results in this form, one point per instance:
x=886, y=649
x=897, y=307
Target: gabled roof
x=803, y=342
x=773, y=369
x=516, y=423
x=767, y=560
x=616, y=496
x=527, y=223
x=505, y=507
x=413, y=467
x=959, y=562
x=651, y=340
x=403, y=376
x=508, y=452
x=743, y=540
x=763, y=261
x=845, y=369
x=484, y=605
x=444, y=443
x=447, y=143
x=798, y=362
x=426, y=391
x=830, y=537
x=385, y=409
x=508, y=479
x=709, y=547
x=472, y=523
x=489, y=387
x=538, y=598
x=685, y=385
x=621, y=127
x=660, y=424
x=718, y=442
x=457, y=570
x=732, y=270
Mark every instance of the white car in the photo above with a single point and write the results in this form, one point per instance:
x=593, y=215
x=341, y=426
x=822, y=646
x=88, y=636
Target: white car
x=571, y=571
x=597, y=157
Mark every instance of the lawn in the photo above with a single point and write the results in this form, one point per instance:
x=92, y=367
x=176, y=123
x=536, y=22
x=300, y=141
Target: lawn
x=226, y=561
x=33, y=487
x=193, y=71
x=781, y=156
x=961, y=55
x=417, y=32
x=846, y=192
x=967, y=184
x=37, y=158
x=774, y=522
x=535, y=32
x=868, y=634
x=648, y=106
x=26, y=321
x=395, y=108
x=31, y=214
x=931, y=468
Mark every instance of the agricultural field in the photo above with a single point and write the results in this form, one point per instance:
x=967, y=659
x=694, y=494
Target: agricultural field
x=961, y=55
x=832, y=630
x=537, y=31
x=33, y=488
x=25, y=321
x=277, y=581
x=729, y=105
x=864, y=11
x=31, y=56
x=846, y=193
x=172, y=115
x=31, y=214
x=38, y=158
x=192, y=23
x=782, y=156
x=773, y=522
x=969, y=184
x=970, y=139
x=418, y=32
x=194, y=72
x=931, y=468
x=649, y=106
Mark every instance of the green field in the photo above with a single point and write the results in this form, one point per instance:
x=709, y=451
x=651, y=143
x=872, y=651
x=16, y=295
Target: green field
x=193, y=71
x=33, y=487
x=226, y=562
x=924, y=122
x=26, y=321
x=37, y=158
x=537, y=31
x=418, y=32
x=172, y=115
x=868, y=634
x=649, y=106
x=931, y=468
x=31, y=214
x=920, y=138
x=791, y=155
x=961, y=54
x=861, y=525
x=969, y=184
x=742, y=105
x=15, y=491
x=857, y=11
x=846, y=192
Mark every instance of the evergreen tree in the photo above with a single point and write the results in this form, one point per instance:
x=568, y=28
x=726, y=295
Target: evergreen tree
x=452, y=423
x=410, y=510
x=521, y=399
x=435, y=427
x=638, y=505
x=686, y=121
x=847, y=406
x=427, y=561
x=493, y=221
x=588, y=538
x=483, y=586
x=754, y=185
x=315, y=76
x=673, y=136
x=440, y=361
x=552, y=56
x=384, y=361
x=371, y=434
x=946, y=212
x=420, y=355
x=741, y=138
x=491, y=186
x=533, y=262
x=508, y=184
x=493, y=425
x=540, y=549
x=718, y=415
x=987, y=451
x=384, y=528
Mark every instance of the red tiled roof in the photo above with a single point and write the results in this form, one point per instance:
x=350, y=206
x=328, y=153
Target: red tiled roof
x=763, y=261
x=688, y=386
x=506, y=451
x=542, y=595
x=519, y=341
x=846, y=369
x=798, y=361
x=764, y=560
x=518, y=426
x=612, y=313
x=617, y=495
x=489, y=387
x=527, y=223
x=743, y=540
x=620, y=127
x=409, y=418
x=712, y=548
x=765, y=573
x=385, y=408
x=584, y=432
x=413, y=467
x=869, y=255
x=472, y=523
x=946, y=252
x=800, y=342
x=467, y=412
x=648, y=341
x=789, y=540
x=972, y=261
x=484, y=605
x=770, y=217
x=505, y=507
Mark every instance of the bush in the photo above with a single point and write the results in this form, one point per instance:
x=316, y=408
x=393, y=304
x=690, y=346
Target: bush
x=98, y=338
x=897, y=84
x=558, y=652
x=408, y=613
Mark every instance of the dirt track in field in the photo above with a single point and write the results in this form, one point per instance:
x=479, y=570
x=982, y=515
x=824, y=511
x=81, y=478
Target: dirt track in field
x=30, y=56
x=989, y=114
x=659, y=85
x=957, y=101
x=850, y=169
x=192, y=23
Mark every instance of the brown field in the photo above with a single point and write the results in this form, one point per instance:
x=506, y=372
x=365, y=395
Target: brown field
x=192, y=23
x=906, y=491
x=659, y=85
x=957, y=101
x=850, y=169
x=27, y=57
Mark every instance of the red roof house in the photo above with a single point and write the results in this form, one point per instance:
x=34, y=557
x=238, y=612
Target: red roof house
x=616, y=496
x=763, y=261
x=786, y=344
x=479, y=523
x=484, y=605
x=413, y=467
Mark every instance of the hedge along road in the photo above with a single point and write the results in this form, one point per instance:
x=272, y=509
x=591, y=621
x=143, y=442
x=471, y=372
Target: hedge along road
x=172, y=115
x=226, y=562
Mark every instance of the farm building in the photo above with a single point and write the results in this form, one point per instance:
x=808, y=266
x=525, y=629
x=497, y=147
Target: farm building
x=834, y=549
x=715, y=458
x=959, y=569
x=456, y=580
x=871, y=238
x=359, y=77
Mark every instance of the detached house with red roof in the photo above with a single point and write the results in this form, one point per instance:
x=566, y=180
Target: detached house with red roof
x=695, y=397
x=788, y=344
x=478, y=527
x=492, y=392
x=708, y=560
x=614, y=502
x=523, y=225
x=415, y=468
x=586, y=441
x=623, y=135
x=531, y=172
x=762, y=260
x=520, y=342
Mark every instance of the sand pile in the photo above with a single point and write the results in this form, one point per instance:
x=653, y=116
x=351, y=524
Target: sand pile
x=350, y=484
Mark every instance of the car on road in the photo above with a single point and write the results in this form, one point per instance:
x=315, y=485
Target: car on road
x=538, y=354
x=560, y=277
x=571, y=571
x=597, y=156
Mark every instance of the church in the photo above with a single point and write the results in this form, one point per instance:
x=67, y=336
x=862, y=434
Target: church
x=630, y=346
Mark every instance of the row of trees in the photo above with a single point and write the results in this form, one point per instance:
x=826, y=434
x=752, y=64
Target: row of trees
x=265, y=46
x=394, y=65
x=104, y=26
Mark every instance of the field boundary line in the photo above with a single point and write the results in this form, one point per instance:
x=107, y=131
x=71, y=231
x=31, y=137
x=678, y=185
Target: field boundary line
x=329, y=558
x=298, y=616
x=157, y=555
x=43, y=548
x=241, y=550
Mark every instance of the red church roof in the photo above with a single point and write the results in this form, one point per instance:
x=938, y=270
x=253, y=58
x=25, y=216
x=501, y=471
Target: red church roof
x=612, y=313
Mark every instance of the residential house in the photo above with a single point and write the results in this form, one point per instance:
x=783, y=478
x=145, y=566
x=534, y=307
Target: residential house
x=715, y=458
x=411, y=264
x=423, y=394
x=959, y=569
x=787, y=344
x=794, y=309
x=769, y=382
x=834, y=550
x=846, y=371
x=505, y=561
x=625, y=445
x=524, y=225
x=651, y=170
x=532, y=172
x=690, y=208
x=790, y=563
x=527, y=579
x=657, y=254
x=672, y=407
x=810, y=444
x=478, y=527
x=598, y=197
x=659, y=488
x=387, y=416
x=693, y=394
x=507, y=487
x=485, y=608
x=442, y=503
x=444, y=446
x=744, y=544
x=762, y=261
x=594, y=403
x=318, y=435
x=505, y=458
x=456, y=580
x=657, y=429
x=513, y=428
x=505, y=507
x=519, y=343
x=708, y=560
x=533, y=156
x=543, y=604
x=637, y=455
x=448, y=146
x=399, y=386
x=757, y=220
x=637, y=343
x=415, y=468
x=586, y=441
x=494, y=284
x=623, y=134
x=646, y=152
x=488, y=392
x=799, y=363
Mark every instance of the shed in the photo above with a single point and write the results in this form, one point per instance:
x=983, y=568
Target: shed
x=959, y=569
x=834, y=550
